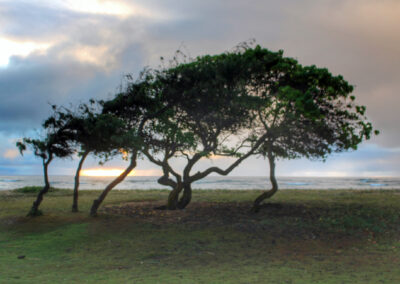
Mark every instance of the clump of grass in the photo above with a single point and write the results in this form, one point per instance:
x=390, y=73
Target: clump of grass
x=32, y=189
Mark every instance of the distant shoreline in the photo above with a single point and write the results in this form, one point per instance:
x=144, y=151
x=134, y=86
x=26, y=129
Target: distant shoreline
x=211, y=183
x=230, y=176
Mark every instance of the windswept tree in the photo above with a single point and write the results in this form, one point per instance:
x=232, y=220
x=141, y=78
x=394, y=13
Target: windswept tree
x=269, y=104
x=55, y=143
x=305, y=112
x=236, y=104
x=93, y=133
x=212, y=109
x=136, y=107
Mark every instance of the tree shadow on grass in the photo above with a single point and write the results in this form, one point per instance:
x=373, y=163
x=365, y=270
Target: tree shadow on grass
x=298, y=220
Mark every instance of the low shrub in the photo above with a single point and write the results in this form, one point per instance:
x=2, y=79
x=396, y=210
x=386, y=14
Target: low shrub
x=32, y=189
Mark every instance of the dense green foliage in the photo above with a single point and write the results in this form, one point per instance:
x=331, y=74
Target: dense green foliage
x=266, y=103
x=250, y=101
x=304, y=111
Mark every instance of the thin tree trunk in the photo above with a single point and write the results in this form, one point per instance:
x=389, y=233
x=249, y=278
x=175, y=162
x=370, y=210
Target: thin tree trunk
x=273, y=190
x=35, y=206
x=76, y=185
x=120, y=178
x=186, y=197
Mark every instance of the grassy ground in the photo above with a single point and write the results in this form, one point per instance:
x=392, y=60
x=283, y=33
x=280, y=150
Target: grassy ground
x=299, y=237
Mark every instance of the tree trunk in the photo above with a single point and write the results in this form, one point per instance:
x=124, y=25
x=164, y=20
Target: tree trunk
x=76, y=185
x=35, y=206
x=273, y=190
x=172, y=203
x=186, y=197
x=120, y=178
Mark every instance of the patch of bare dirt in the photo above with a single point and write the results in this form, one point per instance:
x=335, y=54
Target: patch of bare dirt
x=274, y=218
x=195, y=213
x=204, y=212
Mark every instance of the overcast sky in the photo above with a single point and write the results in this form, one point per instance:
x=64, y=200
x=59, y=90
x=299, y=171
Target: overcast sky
x=67, y=51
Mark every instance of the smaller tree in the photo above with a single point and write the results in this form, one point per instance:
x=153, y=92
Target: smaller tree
x=136, y=107
x=56, y=143
x=93, y=132
x=306, y=112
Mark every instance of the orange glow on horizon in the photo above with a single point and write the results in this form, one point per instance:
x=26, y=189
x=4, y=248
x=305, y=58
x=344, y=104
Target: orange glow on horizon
x=104, y=172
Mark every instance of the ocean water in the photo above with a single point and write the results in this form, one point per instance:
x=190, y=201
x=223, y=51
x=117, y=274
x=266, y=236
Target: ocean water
x=12, y=182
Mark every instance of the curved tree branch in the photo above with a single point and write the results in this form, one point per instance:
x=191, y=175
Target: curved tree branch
x=200, y=175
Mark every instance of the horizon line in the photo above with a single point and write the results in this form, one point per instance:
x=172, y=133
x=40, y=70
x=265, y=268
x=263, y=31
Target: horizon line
x=238, y=176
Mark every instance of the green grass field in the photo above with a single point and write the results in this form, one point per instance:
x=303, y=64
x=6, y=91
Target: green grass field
x=301, y=236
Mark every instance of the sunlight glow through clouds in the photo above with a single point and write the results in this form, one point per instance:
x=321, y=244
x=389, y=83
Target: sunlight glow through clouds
x=110, y=8
x=11, y=154
x=114, y=172
x=10, y=48
x=376, y=19
x=98, y=55
x=103, y=172
x=99, y=7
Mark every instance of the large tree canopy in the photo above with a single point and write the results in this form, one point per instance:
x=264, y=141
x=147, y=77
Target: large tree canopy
x=209, y=106
x=250, y=101
x=271, y=105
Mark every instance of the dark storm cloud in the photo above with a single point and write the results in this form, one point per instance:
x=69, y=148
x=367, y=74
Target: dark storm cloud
x=27, y=90
x=28, y=85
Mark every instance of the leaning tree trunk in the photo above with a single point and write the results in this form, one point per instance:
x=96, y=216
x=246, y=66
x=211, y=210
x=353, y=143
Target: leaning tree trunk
x=172, y=203
x=186, y=197
x=76, y=185
x=273, y=190
x=120, y=178
x=35, y=206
